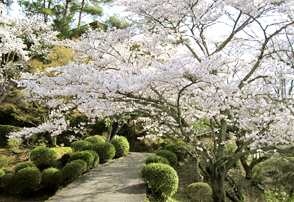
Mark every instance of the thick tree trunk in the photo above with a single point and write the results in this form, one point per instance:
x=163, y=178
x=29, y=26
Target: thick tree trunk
x=217, y=181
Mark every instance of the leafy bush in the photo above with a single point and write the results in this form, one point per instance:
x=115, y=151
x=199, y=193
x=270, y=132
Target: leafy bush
x=82, y=163
x=178, y=149
x=4, y=131
x=156, y=159
x=200, y=191
x=96, y=158
x=8, y=181
x=51, y=178
x=122, y=146
x=28, y=180
x=72, y=170
x=83, y=155
x=81, y=145
x=14, y=144
x=95, y=139
x=2, y=173
x=43, y=157
x=170, y=156
x=105, y=150
x=161, y=178
x=3, y=161
x=23, y=165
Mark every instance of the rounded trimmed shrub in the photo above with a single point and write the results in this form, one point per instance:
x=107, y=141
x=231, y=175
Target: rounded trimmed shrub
x=105, y=150
x=122, y=146
x=96, y=158
x=178, y=149
x=81, y=145
x=85, y=156
x=28, y=180
x=23, y=165
x=95, y=139
x=170, y=156
x=200, y=191
x=8, y=181
x=82, y=163
x=3, y=161
x=72, y=170
x=2, y=173
x=161, y=178
x=51, y=178
x=156, y=159
x=43, y=157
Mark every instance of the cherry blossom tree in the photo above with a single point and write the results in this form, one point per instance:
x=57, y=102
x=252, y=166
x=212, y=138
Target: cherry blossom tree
x=183, y=62
x=21, y=40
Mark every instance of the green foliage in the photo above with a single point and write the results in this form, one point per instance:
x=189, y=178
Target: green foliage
x=200, y=191
x=43, y=157
x=95, y=139
x=2, y=173
x=122, y=146
x=276, y=195
x=83, y=155
x=28, y=180
x=170, y=156
x=114, y=21
x=105, y=150
x=81, y=145
x=51, y=178
x=162, y=179
x=178, y=149
x=72, y=170
x=9, y=182
x=3, y=161
x=5, y=130
x=96, y=158
x=14, y=144
x=82, y=163
x=156, y=159
x=23, y=165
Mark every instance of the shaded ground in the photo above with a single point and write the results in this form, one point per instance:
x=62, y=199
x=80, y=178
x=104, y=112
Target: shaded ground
x=118, y=180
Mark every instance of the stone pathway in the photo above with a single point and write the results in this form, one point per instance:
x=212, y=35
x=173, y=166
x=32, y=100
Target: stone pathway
x=115, y=181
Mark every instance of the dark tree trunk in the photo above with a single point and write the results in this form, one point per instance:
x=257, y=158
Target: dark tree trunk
x=66, y=8
x=217, y=180
x=80, y=16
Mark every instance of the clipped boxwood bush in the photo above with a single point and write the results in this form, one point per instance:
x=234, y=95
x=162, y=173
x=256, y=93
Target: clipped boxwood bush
x=200, y=191
x=170, y=156
x=9, y=182
x=105, y=150
x=95, y=139
x=81, y=145
x=28, y=180
x=23, y=165
x=51, y=178
x=161, y=178
x=43, y=157
x=82, y=163
x=85, y=156
x=72, y=170
x=178, y=149
x=156, y=159
x=122, y=146
x=96, y=158
x=3, y=161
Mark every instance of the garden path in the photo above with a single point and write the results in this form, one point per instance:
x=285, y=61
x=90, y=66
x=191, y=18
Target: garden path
x=115, y=181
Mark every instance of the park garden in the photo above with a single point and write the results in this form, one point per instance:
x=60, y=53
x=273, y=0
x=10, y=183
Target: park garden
x=210, y=81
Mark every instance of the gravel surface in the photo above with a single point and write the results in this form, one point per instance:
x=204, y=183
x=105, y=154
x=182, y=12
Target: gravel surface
x=115, y=181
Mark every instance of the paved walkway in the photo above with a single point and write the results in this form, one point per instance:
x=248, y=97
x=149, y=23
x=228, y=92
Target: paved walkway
x=115, y=181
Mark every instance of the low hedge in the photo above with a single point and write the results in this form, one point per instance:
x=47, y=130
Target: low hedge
x=122, y=146
x=161, y=178
x=105, y=150
x=170, y=156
